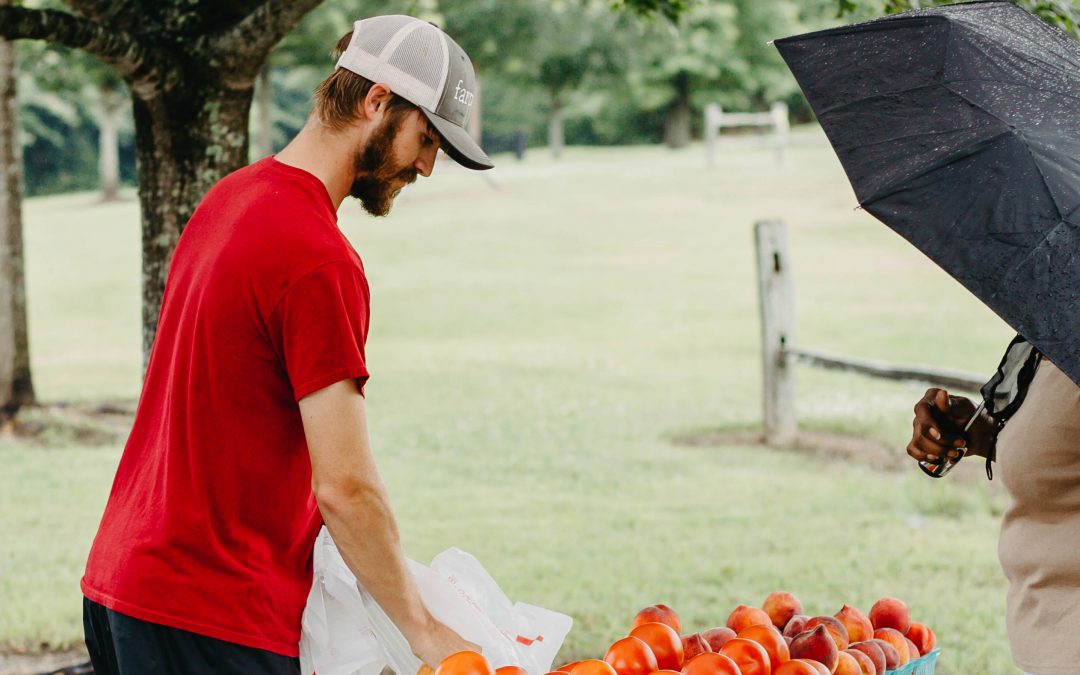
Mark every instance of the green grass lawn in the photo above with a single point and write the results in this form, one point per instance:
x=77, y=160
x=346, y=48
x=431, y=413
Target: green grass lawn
x=535, y=348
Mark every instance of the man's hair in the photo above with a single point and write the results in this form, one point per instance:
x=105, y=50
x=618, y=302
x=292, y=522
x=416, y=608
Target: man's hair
x=339, y=96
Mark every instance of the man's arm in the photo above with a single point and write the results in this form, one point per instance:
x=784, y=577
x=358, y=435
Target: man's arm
x=356, y=509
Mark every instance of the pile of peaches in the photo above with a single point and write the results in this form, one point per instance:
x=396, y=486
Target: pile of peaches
x=775, y=639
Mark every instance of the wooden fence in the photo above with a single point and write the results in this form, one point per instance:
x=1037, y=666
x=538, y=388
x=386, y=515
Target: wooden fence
x=780, y=351
x=716, y=119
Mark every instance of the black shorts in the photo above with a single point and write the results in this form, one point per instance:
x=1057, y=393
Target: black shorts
x=121, y=645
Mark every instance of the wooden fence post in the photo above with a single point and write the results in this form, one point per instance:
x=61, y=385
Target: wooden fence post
x=713, y=113
x=777, y=305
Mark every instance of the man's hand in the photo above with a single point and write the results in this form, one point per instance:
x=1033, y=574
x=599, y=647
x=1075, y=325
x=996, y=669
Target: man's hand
x=437, y=642
x=938, y=428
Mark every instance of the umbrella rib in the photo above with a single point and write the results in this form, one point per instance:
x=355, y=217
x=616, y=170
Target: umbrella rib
x=1027, y=147
x=934, y=167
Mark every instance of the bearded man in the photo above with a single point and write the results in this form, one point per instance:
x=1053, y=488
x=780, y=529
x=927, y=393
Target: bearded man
x=250, y=432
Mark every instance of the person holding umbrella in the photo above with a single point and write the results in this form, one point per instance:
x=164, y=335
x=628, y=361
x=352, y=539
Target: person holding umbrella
x=959, y=128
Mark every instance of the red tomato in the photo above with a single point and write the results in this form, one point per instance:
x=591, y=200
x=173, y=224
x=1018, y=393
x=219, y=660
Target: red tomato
x=771, y=639
x=711, y=664
x=592, y=667
x=751, y=657
x=665, y=643
x=465, y=663
x=511, y=670
x=631, y=656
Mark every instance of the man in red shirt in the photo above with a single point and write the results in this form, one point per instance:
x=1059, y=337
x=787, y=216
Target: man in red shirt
x=250, y=432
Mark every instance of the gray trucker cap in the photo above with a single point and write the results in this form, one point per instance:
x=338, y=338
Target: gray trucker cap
x=423, y=65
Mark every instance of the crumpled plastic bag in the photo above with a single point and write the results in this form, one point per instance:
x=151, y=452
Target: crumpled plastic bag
x=345, y=632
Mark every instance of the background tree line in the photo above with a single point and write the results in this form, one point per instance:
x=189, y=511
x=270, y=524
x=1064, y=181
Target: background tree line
x=557, y=71
x=99, y=92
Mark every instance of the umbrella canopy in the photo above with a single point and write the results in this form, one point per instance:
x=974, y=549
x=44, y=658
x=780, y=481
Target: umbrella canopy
x=959, y=127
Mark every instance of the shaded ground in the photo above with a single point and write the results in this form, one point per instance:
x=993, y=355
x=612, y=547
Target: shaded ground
x=827, y=445
x=813, y=443
x=58, y=663
x=65, y=424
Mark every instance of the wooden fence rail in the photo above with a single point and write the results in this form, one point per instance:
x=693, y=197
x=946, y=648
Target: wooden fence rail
x=780, y=351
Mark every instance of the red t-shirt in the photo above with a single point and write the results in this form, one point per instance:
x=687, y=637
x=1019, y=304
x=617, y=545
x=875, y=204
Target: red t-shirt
x=211, y=520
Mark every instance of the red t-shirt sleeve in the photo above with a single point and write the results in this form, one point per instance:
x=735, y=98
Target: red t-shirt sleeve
x=320, y=326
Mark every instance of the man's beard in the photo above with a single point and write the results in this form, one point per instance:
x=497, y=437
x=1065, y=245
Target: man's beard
x=375, y=171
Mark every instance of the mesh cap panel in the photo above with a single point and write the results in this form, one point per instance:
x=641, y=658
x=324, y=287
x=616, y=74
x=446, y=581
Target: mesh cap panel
x=422, y=55
x=373, y=36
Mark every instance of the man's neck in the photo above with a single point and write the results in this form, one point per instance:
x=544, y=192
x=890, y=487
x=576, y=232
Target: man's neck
x=325, y=154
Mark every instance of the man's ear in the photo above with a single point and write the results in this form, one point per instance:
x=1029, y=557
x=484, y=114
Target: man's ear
x=376, y=101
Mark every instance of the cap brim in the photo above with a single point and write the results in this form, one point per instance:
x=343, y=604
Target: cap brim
x=458, y=143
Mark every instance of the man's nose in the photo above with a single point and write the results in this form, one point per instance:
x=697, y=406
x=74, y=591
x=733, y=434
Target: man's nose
x=425, y=162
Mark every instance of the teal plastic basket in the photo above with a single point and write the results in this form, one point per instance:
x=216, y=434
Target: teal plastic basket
x=924, y=665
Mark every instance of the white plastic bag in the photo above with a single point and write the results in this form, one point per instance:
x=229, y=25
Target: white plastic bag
x=345, y=632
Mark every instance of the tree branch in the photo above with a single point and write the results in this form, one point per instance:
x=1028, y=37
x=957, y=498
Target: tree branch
x=141, y=67
x=243, y=48
x=102, y=11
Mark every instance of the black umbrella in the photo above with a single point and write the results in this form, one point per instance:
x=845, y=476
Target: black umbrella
x=959, y=127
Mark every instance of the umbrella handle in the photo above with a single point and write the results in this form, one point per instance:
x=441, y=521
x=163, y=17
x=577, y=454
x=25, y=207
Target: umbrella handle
x=940, y=469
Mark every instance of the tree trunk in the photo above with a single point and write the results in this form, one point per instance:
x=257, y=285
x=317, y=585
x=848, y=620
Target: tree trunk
x=109, y=142
x=556, y=133
x=265, y=138
x=16, y=385
x=187, y=139
x=677, y=122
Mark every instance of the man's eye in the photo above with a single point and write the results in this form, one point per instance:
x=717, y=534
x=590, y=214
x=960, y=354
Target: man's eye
x=427, y=140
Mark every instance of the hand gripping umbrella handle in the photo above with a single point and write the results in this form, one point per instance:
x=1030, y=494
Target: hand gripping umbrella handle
x=940, y=469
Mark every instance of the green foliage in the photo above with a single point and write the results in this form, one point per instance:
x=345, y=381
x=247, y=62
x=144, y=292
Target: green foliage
x=60, y=98
x=671, y=9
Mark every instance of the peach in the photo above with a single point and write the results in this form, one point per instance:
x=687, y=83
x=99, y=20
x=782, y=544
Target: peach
x=693, y=645
x=717, y=637
x=781, y=606
x=743, y=616
x=890, y=613
x=846, y=665
x=817, y=645
x=835, y=628
x=659, y=614
x=873, y=652
x=912, y=649
x=893, y=637
x=892, y=657
x=796, y=625
x=866, y=664
x=820, y=667
x=858, y=626
x=797, y=667
x=923, y=637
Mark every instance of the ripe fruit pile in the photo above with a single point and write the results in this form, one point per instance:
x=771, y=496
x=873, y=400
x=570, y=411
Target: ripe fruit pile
x=775, y=639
